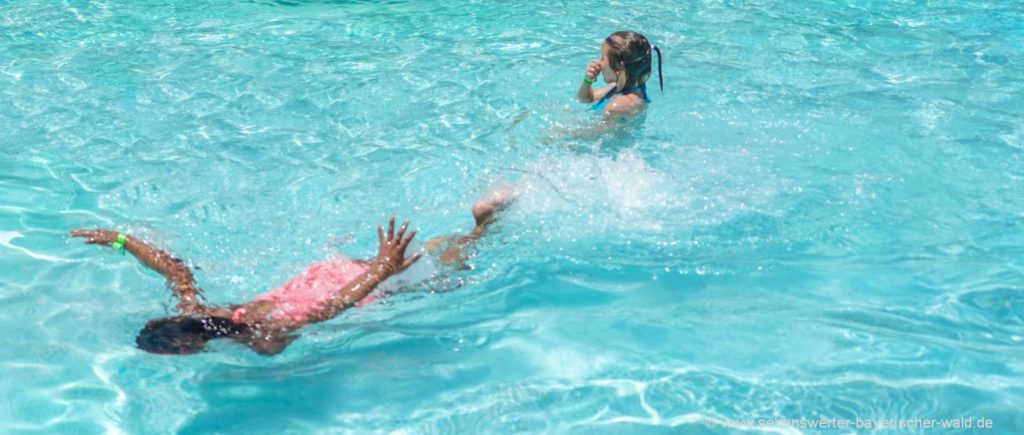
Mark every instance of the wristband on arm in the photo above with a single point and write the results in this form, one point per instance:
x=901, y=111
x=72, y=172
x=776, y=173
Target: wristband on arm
x=118, y=244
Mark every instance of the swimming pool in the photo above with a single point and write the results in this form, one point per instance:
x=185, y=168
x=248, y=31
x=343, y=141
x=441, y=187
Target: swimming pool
x=820, y=218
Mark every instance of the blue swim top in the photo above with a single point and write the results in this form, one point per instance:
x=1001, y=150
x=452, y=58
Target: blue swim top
x=599, y=105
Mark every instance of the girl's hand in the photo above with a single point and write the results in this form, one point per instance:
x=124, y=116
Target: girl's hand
x=96, y=237
x=593, y=69
x=391, y=255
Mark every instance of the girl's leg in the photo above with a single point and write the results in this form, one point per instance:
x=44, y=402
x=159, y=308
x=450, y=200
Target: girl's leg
x=484, y=212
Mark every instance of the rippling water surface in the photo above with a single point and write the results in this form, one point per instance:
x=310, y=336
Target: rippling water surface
x=821, y=216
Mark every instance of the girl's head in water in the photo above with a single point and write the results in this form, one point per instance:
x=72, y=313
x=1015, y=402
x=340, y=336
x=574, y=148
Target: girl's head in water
x=626, y=60
x=183, y=334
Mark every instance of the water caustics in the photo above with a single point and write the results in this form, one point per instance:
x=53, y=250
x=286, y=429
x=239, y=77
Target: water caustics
x=820, y=216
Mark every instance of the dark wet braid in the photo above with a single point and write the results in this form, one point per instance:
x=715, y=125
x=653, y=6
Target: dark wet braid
x=631, y=52
x=184, y=334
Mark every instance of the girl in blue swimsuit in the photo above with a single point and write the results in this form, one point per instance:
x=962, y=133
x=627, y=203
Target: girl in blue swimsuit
x=625, y=65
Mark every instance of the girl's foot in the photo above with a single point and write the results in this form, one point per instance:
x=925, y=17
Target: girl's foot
x=485, y=209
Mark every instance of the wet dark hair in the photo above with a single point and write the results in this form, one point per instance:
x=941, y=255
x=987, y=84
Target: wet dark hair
x=183, y=334
x=631, y=52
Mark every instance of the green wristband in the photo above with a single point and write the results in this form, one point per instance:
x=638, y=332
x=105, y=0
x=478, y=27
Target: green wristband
x=587, y=81
x=118, y=244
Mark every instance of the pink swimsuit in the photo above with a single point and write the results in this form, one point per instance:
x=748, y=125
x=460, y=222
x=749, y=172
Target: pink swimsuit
x=309, y=290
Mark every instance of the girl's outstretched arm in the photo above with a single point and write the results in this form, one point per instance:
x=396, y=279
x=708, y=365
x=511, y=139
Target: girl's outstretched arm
x=389, y=261
x=179, y=277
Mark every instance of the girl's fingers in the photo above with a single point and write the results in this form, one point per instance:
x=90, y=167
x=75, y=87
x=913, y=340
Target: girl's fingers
x=81, y=233
x=411, y=260
x=401, y=231
x=407, y=239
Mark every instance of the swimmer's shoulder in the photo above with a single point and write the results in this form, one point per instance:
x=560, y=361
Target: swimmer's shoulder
x=624, y=105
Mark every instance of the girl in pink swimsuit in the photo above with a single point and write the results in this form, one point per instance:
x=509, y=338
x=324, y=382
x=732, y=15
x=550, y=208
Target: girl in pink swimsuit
x=267, y=323
x=313, y=288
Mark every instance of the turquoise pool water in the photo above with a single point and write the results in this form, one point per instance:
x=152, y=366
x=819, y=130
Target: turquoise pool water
x=821, y=216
